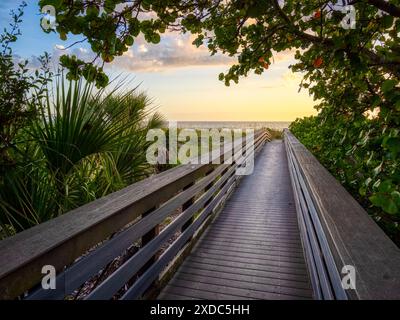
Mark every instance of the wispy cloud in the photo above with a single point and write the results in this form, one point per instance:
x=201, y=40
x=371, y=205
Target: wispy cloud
x=174, y=51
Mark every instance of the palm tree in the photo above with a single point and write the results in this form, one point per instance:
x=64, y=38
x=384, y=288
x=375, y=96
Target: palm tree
x=85, y=144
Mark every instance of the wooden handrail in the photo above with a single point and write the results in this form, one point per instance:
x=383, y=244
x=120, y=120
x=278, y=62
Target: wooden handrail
x=338, y=232
x=61, y=241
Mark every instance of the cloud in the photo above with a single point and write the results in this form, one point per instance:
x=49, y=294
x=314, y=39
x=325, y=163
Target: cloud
x=174, y=51
x=58, y=50
x=80, y=52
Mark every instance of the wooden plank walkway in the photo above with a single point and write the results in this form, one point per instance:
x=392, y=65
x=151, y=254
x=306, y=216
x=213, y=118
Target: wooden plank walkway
x=253, y=249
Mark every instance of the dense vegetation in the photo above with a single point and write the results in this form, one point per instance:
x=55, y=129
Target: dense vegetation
x=64, y=143
x=351, y=67
x=363, y=156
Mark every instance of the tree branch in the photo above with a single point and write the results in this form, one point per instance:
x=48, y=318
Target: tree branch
x=392, y=66
x=389, y=8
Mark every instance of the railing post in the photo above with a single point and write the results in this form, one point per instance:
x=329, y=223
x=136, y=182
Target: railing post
x=147, y=238
x=208, y=188
x=190, y=202
x=185, y=206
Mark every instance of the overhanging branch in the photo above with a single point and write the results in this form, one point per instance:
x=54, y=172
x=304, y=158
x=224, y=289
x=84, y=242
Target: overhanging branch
x=392, y=66
x=386, y=7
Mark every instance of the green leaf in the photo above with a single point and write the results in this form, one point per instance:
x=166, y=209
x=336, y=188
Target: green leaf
x=393, y=144
x=385, y=186
x=63, y=36
x=129, y=41
x=388, y=85
x=396, y=198
x=387, y=21
x=376, y=200
x=390, y=206
x=397, y=105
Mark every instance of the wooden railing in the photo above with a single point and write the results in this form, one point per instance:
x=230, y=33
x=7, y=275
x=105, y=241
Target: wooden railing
x=83, y=242
x=337, y=232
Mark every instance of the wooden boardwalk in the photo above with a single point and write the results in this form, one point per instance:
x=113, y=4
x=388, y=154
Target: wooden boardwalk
x=253, y=249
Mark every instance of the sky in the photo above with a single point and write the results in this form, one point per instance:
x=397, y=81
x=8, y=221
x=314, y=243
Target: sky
x=182, y=80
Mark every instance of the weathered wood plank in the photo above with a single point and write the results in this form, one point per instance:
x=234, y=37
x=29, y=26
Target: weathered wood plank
x=270, y=220
x=197, y=294
x=243, y=292
x=171, y=296
x=278, y=244
x=270, y=238
x=243, y=252
x=248, y=224
x=267, y=263
x=255, y=269
x=233, y=274
x=243, y=282
x=254, y=247
x=275, y=232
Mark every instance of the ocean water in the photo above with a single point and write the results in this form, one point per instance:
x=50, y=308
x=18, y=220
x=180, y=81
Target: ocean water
x=277, y=125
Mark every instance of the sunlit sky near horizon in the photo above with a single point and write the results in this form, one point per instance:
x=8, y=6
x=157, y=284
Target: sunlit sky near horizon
x=181, y=79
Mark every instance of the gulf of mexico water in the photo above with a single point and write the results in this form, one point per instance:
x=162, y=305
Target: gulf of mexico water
x=277, y=125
